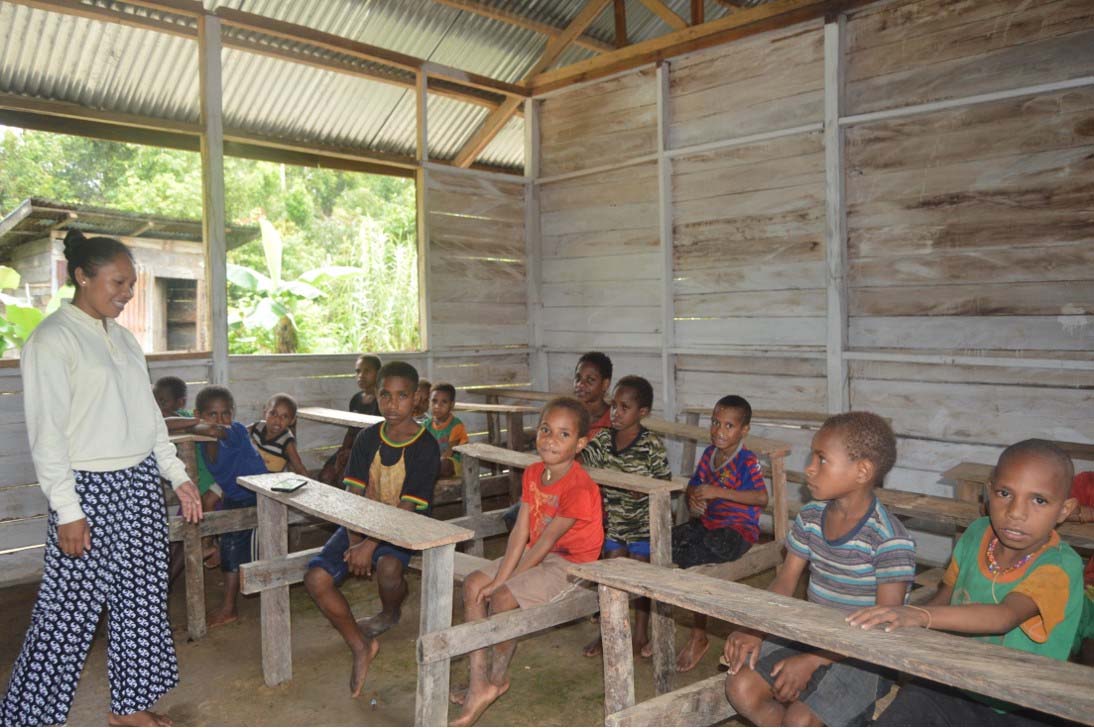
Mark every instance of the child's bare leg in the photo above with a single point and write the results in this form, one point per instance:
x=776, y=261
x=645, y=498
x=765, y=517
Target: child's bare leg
x=335, y=608
x=229, y=611
x=472, y=610
x=140, y=718
x=596, y=647
x=488, y=682
x=696, y=647
x=392, y=587
x=640, y=638
x=752, y=697
x=799, y=714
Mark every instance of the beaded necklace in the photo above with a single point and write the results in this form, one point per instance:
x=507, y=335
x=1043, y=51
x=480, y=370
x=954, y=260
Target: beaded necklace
x=997, y=570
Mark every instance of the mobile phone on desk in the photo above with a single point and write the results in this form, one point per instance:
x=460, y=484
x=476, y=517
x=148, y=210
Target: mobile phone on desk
x=289, y=485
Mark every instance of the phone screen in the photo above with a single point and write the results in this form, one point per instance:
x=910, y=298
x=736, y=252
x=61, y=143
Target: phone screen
x=288, y=486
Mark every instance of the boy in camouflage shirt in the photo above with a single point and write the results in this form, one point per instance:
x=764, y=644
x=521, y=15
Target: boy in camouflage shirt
x=630, y=448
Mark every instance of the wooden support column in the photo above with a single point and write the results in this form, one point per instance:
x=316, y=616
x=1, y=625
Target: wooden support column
x=195, y=581
x=662, y=625
x=472, y=497
x=537, y=364
x=835, y=238
x=431, y=701
x=515, y=427
x=421, y=180
x=273, y=543
x=212, y=186
x=780, y=511
x=615, y=628
x=664, y=215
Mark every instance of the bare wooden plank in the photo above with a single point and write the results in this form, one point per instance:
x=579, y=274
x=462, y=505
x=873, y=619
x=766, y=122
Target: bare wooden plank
x=756, y=560
x=701, y=703
x=273, y=543
x=507, y=409
x=472, y=496
x=431, y=699
x=1052, y=686
x=338, y=417
x=21, y=567
x=195, y=581
x=662, y=625
x=615, y=631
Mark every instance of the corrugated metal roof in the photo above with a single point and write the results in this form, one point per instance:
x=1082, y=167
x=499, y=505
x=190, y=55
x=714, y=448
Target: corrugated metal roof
x=114, y=67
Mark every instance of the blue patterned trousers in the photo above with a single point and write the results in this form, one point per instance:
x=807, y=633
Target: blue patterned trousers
x=126, y=572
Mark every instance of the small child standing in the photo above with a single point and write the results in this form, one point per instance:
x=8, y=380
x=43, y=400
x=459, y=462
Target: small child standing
x=628, y=447
x=1011, y=582
x=725, y=496
x=274, y=439
x=421, y=399
x=364, y=402
x=395, y=463
x=857, y=556
x=560, y=522
x=227, y=459
x=446, y=428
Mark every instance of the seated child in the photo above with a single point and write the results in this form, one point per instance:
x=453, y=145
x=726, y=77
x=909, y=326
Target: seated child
x=560, y=522
x=446, y=428
x=857, y=556
x=1011, y=582
x=170, y=394
x=227, y=459
x=365, y=403
x=725, y=496
x=630, y=448
x=421, y=399
x=394, y=462
x=1082, y=489
x=592, y=381
x=274, y=439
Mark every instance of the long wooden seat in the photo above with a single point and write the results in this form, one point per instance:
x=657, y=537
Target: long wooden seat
x=1055, y=687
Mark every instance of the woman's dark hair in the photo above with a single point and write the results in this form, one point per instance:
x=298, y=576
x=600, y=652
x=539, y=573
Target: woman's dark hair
x=89, y=254
x=599, y=360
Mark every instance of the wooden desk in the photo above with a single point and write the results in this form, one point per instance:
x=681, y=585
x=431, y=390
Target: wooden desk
x=1055, y=687
x=435, y=539
x=330, y=416
x=492, y=394
x=514, y=425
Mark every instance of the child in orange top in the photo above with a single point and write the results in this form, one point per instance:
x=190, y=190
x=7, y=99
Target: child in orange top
x=560, y=522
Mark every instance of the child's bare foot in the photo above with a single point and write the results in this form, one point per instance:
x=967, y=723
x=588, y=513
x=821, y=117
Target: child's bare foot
x=477, y=703
x=647, y=650
x=377, y=624
x=361, y=661
x=211, y=557
x=457, y=696
x=691, y=654
x=140, y=718
x=219, y=619
x=640, y=645
x=594, y=648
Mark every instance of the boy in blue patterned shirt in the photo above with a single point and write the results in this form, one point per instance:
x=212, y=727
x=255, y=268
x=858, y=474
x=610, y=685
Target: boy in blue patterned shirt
x=857, y=557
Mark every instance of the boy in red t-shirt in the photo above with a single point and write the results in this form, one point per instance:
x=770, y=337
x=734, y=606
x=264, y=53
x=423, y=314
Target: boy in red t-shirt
x=560, y=522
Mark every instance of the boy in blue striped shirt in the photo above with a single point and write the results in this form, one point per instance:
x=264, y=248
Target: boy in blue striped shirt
x=858, y=556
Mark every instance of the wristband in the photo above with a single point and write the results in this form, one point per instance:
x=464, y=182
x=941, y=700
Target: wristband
x=925, y=611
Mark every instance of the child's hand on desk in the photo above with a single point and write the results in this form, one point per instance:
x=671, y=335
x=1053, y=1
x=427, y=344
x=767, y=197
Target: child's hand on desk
x=208, y=429
x=792, y=675
x=742, y=646
x=359, y=558
x=891, y=617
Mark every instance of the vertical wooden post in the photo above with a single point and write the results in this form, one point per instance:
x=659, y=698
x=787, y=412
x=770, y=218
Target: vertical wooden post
x=273, y=542
x=537, y=363
x=431, y=701
x=212, y=187
x=187, y=450
x=835, y=248
x=662, y=626
x=691, y=447
x=472, y=497
x=615, y=628
x=515, y=425
x=664, y=216
x=421, y=180
x=779, y=507
x=195, y=580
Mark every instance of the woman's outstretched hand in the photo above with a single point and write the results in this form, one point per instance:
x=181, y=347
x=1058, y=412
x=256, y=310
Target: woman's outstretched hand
x=190, y=500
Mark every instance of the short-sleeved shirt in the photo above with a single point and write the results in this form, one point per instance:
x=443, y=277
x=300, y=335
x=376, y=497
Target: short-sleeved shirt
x=400, y=471
x=627, y=514
x=741, y=472
x=1053, y=580
x=575, y=496
x=845, y=573
x=603, y=422
x=272, y=451
x=357, y=404
x=452, y=434
x=236, y=457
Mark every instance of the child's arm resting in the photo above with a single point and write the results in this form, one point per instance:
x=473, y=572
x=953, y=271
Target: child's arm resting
x=1001, y=618
x=292, y=454
x=558, y=526
x=514, y=549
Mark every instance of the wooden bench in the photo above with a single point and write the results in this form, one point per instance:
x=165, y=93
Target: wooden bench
x=1059, y=688
x=514, y=429
x=435, y=539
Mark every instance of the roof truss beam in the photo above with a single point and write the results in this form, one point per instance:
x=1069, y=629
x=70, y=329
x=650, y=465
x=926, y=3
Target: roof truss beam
x=522, y=21
x=670, y=18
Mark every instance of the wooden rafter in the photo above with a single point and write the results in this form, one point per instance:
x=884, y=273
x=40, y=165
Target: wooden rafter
x=620, y=11
x=522, y=21
x=739, y=24
x=698, y=12
x=498, y=118
x=671, y=19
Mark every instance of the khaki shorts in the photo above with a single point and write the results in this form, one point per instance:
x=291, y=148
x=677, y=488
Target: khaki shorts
x=544, y=583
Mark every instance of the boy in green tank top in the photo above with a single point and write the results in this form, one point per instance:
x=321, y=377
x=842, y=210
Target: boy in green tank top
x=1011, y=582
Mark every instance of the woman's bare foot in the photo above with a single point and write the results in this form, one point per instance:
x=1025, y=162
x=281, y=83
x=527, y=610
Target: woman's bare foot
x=140, y=718
x=377, y=624
x=691, y=654
x=477, y=703
x=594, y=648
x=361, y=661
x=219, y=619
x=457, y=696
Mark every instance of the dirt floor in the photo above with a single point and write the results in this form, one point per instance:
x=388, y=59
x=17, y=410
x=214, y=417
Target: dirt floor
x=552, y=684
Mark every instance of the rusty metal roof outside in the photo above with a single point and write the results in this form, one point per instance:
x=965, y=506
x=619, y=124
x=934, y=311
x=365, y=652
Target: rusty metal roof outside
x=113, y=67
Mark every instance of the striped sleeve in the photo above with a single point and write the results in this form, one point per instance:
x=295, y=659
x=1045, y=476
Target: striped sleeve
x=797, y=540
x=751, y=474
x=894, y=561
x=702, y=469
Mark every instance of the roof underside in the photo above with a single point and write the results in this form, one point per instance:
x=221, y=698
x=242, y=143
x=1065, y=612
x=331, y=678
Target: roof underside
x=112, y=67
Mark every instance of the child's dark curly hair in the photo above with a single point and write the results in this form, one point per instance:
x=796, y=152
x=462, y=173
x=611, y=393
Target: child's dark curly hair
x=866, y=436
x=1046, y=451
x=210, y=394
x=581, y=415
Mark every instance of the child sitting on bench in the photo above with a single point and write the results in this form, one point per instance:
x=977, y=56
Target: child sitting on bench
x=447, y=429
x=273, y=437
x=421, y=399
x=560, y=522
x=592, y=382
x=394, y=462
x=1011, y=582
x=628, y=447
x=725, y=496
x=857, y=556
x=364, y=402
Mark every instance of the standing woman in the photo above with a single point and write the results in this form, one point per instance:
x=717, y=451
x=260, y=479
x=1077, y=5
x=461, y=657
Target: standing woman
x=99, y=445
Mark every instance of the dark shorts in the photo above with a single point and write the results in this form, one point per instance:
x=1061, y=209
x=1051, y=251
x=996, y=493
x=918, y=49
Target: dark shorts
x=237, y=547
x=634, y=548
x=331, y=558
x=693, y=544
x=842, y=693
x=925, y=703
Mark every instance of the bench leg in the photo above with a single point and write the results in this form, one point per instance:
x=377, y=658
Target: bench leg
x=195, y=580
x=431, y=701
x=662, y=626
x=472, y=498
x=273, y=542
x=615, y=628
